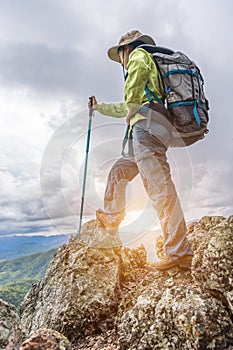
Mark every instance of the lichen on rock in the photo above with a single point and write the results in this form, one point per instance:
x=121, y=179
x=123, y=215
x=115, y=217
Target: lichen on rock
x=78, y=292
x=169, y=312
x=212, y=239
x=175, y=309
x=96, y=292
x=10, y=328
x=46, y=339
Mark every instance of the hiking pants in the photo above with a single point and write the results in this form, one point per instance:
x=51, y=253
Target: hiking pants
x=150, y=145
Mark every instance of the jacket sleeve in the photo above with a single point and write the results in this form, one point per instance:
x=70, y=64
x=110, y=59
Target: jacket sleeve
x=117, y=110
x=139, y=68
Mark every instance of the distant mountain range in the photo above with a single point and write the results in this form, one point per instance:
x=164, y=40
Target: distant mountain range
x=16, y=246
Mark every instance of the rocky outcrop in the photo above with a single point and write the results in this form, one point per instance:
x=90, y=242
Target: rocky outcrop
x=79, y=291
x=10, y=329
x=212, y=239
x=185, y=309
x=46, y=339
x=102, y=296
x=169, y=311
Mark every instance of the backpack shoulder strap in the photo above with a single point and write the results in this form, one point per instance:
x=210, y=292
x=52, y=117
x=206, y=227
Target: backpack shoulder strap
x=153, y=49
x=156, y=49
x=127, y=138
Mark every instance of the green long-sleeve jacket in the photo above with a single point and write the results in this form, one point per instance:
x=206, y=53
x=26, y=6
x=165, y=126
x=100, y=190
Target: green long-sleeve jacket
x=142, y=71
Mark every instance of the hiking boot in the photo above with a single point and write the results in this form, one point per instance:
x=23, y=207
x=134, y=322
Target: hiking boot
x=103, y=222
x=166, y=263
x=185, y=261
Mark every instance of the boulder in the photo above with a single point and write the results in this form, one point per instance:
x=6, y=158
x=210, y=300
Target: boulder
x=212, y=240
x=102, y=295
x=175, y=309
x=81, y=288
x=10, y=329
x=46, y=339
x=169, y=311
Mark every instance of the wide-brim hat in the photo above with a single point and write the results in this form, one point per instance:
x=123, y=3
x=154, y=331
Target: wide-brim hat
x=126, y=39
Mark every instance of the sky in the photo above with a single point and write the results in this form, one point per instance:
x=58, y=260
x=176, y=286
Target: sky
x=52, y=58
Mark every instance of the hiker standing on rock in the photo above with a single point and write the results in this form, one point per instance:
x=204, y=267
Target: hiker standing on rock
x=151, y=139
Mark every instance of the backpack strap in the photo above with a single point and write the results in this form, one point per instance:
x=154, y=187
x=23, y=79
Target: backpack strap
x=156, y=49
x=195, y=104
x=127, y=138
x=180, y=71
x=150, y=99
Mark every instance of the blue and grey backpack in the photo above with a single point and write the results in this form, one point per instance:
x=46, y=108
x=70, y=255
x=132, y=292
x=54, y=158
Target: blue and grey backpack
x=184, y=95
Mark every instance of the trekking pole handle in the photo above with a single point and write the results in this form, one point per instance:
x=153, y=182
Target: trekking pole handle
x=91, y=104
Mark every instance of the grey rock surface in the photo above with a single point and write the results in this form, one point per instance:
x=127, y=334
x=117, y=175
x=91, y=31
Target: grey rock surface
x=212, y=239
x=181, y=309
x=168, y=311
x=102, y=296
x=46, y=339
x=10, y=329
x=80, y=289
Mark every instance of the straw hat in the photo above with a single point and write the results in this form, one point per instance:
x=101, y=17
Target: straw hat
x=128, y=38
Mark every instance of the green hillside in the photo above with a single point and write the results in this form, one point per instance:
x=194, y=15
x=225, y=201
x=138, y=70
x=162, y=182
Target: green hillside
x=18, y=275
x=15, y=292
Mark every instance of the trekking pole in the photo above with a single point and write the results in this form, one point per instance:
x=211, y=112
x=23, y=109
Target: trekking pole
x=85, y=166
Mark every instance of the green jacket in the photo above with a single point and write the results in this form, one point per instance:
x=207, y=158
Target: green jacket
x=142, y=70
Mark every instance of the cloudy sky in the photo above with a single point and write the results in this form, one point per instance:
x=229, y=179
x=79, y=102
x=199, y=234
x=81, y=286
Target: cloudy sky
x=52, y=58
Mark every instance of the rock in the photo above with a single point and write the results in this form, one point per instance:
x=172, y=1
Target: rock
x=101, y=295
x=104, y=341
x=46, y=339
x=168, y=311
x=212, y=267
x=80, y=289
x=133, y=262
x=132, y=259
x=176, y=309
x=210, y=221
x=212, y=239
x=10, y=330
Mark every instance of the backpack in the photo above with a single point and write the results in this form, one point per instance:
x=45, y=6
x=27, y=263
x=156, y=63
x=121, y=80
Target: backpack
x=184, y=95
